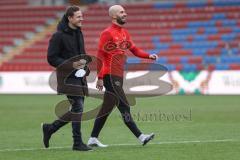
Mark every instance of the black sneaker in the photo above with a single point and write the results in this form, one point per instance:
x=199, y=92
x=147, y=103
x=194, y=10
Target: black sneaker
x=148, y=138
x=46, y=134
x=82, y=147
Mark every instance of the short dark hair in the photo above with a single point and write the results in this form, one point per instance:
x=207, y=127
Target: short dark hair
x=71, y=9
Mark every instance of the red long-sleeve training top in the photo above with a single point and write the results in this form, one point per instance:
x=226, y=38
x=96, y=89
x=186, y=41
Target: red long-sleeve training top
x=113, y=44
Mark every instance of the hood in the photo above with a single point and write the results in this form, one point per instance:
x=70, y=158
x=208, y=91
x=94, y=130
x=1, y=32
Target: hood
x=63, y=24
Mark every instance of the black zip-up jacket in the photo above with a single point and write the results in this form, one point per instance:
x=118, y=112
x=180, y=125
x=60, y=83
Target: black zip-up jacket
x=66, y=46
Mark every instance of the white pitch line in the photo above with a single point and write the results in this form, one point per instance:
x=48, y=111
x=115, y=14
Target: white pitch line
x=179, y=142
x=127, y=144
x=32, y=149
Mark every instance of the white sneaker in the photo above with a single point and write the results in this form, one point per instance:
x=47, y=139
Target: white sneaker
x=94, y=142
x=145, y=138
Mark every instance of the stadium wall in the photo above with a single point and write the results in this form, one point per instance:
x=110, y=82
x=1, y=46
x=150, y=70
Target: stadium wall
x=202, y=82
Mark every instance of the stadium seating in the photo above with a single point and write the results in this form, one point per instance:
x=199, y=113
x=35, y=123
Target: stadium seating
x=17, y=20
x=187, y=36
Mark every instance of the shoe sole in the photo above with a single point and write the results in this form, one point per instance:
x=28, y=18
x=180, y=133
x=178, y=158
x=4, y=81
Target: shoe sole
x=43, y=135
x=95, y=145
x=90, y=150
x=149, y=139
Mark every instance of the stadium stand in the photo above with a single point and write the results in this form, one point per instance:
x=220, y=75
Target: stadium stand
x=188, y=36
x=19, y=23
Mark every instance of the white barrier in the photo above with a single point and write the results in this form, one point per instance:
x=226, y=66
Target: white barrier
x=204, y=82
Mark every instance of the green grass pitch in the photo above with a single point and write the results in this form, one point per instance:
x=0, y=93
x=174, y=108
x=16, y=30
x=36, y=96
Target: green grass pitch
x=185, y=127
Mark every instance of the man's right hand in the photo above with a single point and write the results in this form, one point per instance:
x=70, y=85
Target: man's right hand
x=79, y=64
x=99, y=85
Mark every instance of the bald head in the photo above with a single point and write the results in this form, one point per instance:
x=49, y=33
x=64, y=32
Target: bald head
x=113, y=10
x=118, y=14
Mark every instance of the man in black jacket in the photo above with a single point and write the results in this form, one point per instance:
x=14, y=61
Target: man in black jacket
x=65, y=48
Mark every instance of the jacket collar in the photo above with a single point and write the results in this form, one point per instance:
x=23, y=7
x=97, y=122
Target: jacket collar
x=117, y=27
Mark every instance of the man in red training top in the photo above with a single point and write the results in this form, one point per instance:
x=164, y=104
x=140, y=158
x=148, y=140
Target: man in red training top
x=113, y=44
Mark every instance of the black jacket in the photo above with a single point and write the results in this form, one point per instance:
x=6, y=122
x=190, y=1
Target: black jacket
x=66, y=46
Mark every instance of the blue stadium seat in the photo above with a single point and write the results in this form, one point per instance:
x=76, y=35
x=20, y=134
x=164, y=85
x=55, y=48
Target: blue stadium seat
x=187, y=31
x=227, y=23
x=228, y=37
x=155, y=39
x=162, y=46
x=184, y=60
x=222, y=67
x=200, y=37
x=189, y=67
x=170, y=67
x=232, y=51
x=133, y=60
x=179, y=38
x=210, y=60
x=204, y=44
x=196, y=4
x=199, y=51
x=164, y=5
x=218, y=16
x=153, y=51
x=230, y=59
x=236, y=29
x=211, y=30
x=162, y=60
x=226, y=3
x=224, y=51
x=202, y=23
x=235, y=51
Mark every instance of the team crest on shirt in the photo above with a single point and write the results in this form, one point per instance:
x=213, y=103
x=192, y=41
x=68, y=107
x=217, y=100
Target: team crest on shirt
x=125, y=45
x=110, y=46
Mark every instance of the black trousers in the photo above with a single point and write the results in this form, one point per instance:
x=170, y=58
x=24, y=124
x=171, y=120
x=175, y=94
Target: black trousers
x=77, y=107
x=114, y=95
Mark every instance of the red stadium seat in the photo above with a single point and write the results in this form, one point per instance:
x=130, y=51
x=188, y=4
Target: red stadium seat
x=146, y=25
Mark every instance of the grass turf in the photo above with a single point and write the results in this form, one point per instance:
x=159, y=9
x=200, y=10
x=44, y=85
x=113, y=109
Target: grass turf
x=186, y=127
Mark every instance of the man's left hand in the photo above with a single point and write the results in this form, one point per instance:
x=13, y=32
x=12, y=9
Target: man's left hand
x=153, y=57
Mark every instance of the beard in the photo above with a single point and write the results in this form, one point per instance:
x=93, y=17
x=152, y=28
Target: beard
x=120, y=21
